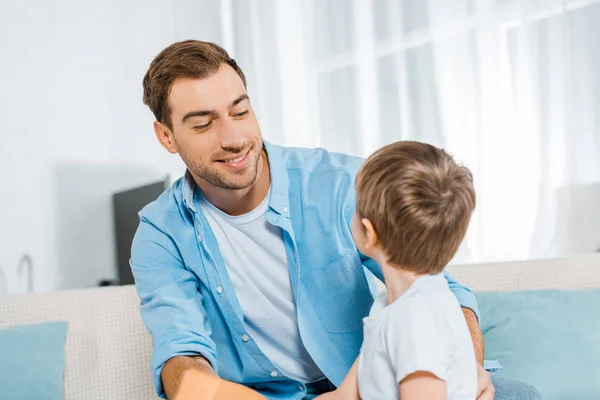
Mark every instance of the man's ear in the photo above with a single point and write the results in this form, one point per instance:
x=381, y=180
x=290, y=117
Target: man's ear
x=371, y=238
x=165, y=137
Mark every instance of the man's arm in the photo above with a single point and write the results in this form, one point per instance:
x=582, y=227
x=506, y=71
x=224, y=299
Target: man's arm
x=171, y=308
x=485, y=388
x=468, y=302
x=470, y=309
x=476, y=334
x=175, y=369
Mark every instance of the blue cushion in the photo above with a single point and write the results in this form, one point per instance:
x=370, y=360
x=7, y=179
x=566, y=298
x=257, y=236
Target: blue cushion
x=548, y=338
x=32, y=361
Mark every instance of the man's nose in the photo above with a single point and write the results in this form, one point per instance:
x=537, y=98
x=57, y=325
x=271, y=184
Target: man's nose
x=231, y=136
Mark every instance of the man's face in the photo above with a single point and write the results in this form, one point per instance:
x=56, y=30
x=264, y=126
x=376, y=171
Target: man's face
x=215, y=130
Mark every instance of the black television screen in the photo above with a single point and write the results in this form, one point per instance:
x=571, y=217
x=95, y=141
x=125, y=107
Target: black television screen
x=126, y=206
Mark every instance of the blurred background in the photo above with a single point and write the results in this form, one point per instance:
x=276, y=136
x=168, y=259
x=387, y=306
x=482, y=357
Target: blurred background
x=510, y=87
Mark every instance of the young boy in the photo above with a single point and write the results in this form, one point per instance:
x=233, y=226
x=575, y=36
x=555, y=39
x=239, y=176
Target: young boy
x=413, y=206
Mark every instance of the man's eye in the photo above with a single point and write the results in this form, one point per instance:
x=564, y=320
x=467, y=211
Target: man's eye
x=203, y=127
x=241, y=114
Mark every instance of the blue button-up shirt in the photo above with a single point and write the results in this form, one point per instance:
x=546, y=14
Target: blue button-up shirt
x=187, y=299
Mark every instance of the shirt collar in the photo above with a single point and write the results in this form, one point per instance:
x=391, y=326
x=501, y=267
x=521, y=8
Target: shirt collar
x=279, y=201
x=187, y=191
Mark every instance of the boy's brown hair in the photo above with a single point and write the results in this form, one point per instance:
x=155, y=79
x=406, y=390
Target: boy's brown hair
x=420, y=202
x=188, y=59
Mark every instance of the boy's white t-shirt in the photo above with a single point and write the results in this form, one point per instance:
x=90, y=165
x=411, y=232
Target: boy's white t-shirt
x=423, y=330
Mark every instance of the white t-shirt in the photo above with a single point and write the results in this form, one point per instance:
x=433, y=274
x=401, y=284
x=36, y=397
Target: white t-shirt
x=423, y=330
x=255, y=258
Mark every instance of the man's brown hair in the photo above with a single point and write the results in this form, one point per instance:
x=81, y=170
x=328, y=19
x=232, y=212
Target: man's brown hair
x=420, y=202
x=191, y=59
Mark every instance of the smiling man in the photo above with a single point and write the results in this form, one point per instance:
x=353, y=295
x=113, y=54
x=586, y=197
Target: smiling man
x=246, y=268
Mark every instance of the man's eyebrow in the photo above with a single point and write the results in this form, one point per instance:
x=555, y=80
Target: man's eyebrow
x=239, y=100
x=198, y=113
x=204, y=113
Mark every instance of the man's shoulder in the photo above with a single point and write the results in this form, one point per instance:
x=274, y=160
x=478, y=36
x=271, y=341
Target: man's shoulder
x=319, y=160
x=169, y=202
x=162, y=218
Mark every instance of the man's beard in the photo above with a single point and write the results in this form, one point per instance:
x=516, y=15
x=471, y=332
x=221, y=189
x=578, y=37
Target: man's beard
x=214, y=177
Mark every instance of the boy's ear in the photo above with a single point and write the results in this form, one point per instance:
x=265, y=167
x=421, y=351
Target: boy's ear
x=371, y=239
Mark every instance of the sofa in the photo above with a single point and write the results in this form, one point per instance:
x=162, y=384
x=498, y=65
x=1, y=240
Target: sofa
x=107, y=350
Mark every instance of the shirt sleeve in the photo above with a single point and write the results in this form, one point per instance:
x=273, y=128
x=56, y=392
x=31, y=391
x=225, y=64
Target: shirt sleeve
x=465, y=297
x=171, y=305
x=368, y=263
x=415, y=341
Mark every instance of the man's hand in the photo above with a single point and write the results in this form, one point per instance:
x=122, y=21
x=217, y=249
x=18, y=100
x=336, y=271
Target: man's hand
x=198, y=385
x=192, y=378
x=485, y=389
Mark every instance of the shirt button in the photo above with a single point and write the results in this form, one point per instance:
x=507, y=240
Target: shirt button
x=274, y=374
x=245, y=338
x=285, y=209
x=219, y=289
x=301, y=387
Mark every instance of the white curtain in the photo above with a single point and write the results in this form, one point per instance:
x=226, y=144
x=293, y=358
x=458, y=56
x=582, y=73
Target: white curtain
x=510, y=87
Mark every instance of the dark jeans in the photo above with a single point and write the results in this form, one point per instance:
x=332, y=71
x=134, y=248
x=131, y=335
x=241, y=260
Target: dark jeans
x=506, y=389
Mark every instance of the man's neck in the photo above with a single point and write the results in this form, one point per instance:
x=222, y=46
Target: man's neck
x=238, y=202
x=397, y=280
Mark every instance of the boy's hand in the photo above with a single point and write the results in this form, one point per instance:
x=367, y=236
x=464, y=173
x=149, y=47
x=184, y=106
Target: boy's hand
x=348, y=389
x=485, y=389
x=197, y=385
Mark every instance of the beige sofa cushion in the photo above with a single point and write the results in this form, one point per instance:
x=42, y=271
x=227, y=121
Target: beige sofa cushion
x=108, y=348
x=576, y=272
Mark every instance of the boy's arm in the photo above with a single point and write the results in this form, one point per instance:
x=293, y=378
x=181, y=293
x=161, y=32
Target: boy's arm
x=348, y=389
x=422, y=385
x=349, y=386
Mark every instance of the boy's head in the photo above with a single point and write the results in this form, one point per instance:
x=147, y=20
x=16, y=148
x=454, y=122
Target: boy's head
x=413, y=206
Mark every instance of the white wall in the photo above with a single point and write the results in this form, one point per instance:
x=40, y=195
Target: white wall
x=73, y=128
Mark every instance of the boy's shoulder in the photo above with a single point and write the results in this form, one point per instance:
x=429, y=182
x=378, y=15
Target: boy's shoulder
x=428, y=303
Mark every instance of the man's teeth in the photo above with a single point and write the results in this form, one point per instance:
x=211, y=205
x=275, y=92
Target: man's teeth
x=235, y=160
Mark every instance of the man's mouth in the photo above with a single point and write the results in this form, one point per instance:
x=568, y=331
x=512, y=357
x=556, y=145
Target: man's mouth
x=237, y=163
x=240, y=158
